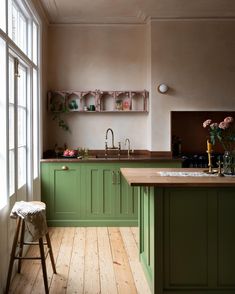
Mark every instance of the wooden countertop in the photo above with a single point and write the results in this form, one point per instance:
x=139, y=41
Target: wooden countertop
x=152, y=177
x=111, y=159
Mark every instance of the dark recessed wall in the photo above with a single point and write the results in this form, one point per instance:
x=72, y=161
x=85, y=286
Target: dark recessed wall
x=187, y=125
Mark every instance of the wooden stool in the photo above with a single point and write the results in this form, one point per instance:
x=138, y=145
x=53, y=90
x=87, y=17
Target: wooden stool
x=19, y=242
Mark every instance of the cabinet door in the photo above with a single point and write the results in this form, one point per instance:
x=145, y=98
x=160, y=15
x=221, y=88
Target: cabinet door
x=186, y=237
x=147, y=243
x=64, y=193
x=199, y=239
x=100, y=191
x=226, y=238
x=126, y=199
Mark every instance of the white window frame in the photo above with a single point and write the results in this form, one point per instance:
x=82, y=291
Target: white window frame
x=25, y=6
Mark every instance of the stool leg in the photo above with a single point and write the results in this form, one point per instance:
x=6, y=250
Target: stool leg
x=21, y=245
x=13, y=251
x=43, y=261
x=50, y=252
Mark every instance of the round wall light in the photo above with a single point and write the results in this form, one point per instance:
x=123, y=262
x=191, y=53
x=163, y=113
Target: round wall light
x=163, y=88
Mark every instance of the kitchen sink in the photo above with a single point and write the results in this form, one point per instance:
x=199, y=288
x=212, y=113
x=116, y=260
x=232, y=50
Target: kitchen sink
x=110, y=157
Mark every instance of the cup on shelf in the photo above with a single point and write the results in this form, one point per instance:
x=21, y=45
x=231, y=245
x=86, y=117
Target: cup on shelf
x=92, y=107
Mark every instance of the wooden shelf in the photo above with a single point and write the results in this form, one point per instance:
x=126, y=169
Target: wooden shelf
x=98, y=101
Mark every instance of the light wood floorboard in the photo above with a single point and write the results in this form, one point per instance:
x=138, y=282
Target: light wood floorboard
x=88, y=261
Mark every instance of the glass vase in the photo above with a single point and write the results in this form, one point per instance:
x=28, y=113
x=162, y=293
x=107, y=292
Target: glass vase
x=229, y=162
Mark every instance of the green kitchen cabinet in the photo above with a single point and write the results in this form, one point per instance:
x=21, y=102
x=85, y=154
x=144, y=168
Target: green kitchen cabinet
x=147, y=232
x=91, y=194
x=100, y=191
x=61, y=192
x=126, y=200
x=187, y=239
x=205, y=257
x=109, y=197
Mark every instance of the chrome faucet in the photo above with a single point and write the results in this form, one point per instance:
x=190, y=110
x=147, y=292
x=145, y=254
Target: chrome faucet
x=128, y=150
x=111, y=147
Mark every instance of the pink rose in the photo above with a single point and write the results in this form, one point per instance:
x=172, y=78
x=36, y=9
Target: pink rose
x=66, y=152
x=228, y=119
x=214, y=126
x=207, y=123
x=223, y=125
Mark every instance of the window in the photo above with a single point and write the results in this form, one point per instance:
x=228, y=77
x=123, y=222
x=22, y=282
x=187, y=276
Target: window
x=17, y=26
x=21, y=124
x=3, y=15
x=35, y=124
x=11, y=128
x=17, y=124
x=19, y=150
x=35, y=43
x=3, y=157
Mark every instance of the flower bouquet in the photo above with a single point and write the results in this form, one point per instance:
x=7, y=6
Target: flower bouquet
x=223, y=133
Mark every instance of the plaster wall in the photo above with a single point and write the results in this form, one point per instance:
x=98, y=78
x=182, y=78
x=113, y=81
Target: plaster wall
x=89, y=57
x=196, y=59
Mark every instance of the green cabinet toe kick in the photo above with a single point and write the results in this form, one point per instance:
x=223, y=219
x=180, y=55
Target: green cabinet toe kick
x=92, y=223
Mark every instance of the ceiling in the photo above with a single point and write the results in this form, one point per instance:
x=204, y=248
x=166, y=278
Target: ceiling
x=133, y=11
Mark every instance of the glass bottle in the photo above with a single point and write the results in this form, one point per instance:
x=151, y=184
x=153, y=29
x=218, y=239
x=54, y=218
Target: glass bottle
x=229, y=162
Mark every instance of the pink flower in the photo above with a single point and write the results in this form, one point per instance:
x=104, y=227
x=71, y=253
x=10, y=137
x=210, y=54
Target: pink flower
x=207, y=123
x=223, y=125
x=228, y=119
x=214, y=125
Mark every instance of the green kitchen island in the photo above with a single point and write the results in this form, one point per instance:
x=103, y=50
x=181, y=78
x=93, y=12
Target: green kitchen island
x=187, y=230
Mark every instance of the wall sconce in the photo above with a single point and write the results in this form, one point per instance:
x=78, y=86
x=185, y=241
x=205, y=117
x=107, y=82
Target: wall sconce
x=163, y=88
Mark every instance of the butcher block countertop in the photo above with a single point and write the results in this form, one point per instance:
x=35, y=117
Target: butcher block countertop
x=175, y=177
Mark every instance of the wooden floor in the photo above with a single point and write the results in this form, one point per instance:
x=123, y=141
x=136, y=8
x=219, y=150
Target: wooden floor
x=88, y=260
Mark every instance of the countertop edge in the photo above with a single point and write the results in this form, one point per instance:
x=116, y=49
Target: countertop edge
x=111, y=160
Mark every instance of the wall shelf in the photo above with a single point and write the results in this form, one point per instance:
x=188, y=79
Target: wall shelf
x=98, y=101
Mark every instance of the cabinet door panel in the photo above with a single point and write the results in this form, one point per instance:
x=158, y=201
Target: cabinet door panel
x=226, y=237
x=93, y=191
x=65, y=187
x=100, y=192
x=147, y=231
x=126, y=199
x=94, y=195
x=108, y=196
x=186, y=238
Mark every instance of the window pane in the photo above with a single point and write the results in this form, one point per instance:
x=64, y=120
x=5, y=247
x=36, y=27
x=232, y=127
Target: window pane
x=14, y=33
x=22, y=32
x=21, y=126
x=3, y=15
x=35, y=124
x=11, y=126
x=22, y=86
x=11, y=81
x=3, y=159
x=18, y=26
x=35, y=43
x=21, y=166
x=11, y=172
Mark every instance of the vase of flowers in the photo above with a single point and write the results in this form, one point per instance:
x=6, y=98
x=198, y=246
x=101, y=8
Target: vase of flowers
x=223, y=133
